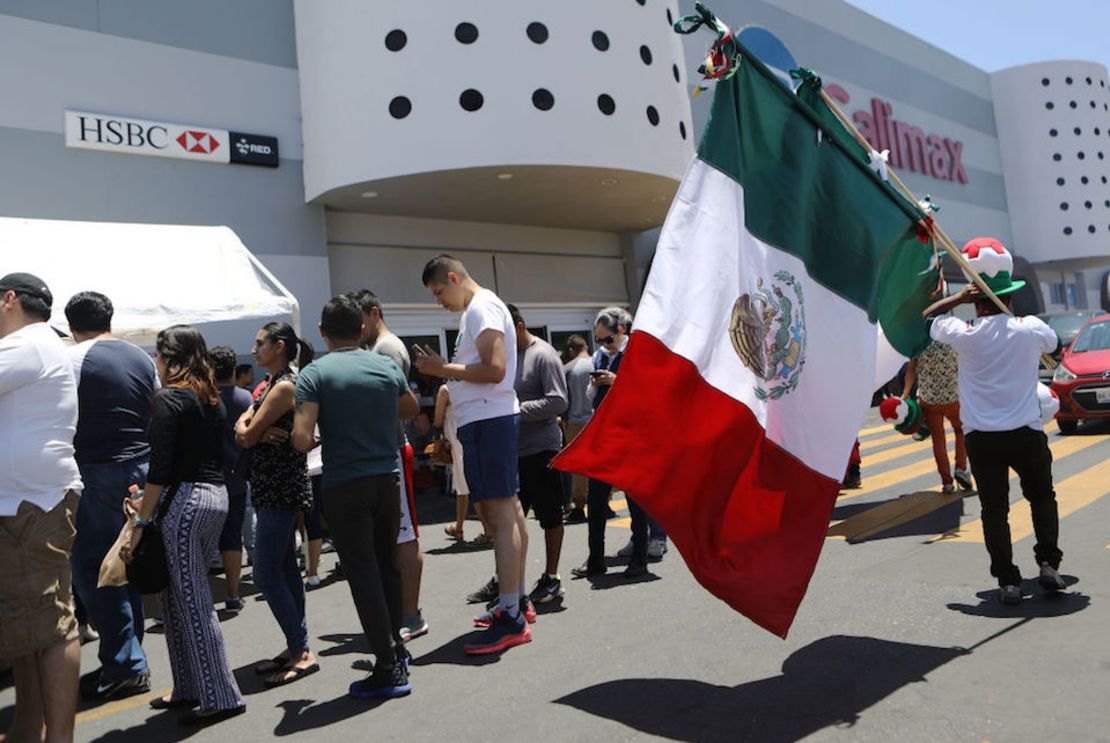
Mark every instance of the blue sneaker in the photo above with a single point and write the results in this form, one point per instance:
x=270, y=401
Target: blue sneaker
x=389, y=682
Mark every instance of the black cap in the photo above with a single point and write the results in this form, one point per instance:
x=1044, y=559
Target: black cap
x=26, y=283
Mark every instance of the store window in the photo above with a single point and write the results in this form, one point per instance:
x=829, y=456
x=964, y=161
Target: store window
x=1057, y=293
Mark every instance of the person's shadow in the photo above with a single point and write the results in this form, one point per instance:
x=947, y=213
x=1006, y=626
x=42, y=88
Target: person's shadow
x=829, y=682
x=1036, y=603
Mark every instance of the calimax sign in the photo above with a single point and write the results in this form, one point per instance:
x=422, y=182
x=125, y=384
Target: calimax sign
x=910, y=147
x=113, y=133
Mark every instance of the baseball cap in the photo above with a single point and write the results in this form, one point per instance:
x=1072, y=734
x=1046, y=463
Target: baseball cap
x=26, y=283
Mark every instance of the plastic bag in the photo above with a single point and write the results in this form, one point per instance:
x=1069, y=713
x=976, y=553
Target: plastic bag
x=113, y=570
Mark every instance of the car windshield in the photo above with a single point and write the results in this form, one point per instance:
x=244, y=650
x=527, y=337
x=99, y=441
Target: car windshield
x=1095, y=337
x=1067, y=324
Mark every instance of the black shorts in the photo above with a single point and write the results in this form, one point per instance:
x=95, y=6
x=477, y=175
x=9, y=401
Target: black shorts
x=541, y=488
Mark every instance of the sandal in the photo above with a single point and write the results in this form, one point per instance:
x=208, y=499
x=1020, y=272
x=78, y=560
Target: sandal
x=164, y=703
x=280, y=679
x=273, y=665
x=482, y=540
x=453, y=531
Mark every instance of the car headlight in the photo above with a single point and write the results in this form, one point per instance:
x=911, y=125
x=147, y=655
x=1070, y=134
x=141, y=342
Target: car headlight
x=1063, y=375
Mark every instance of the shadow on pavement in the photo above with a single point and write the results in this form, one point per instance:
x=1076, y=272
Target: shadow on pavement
x=829, y=682
x=1037, y=603
x=300, y=715
x=915, y=514
x=344, y=644
x=452, y=653
x=160, y=726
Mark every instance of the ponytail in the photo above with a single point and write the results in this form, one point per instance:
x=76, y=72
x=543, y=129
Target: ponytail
x=305, y=354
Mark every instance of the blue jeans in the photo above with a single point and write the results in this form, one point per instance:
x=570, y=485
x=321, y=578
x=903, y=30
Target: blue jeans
x=115, y=612
x=276, y=573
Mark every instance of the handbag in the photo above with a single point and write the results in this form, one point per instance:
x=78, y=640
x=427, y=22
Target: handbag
x=148, y=571
x=439, y=451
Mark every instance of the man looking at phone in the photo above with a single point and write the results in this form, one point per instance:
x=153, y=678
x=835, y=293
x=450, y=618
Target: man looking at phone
x=481, y=379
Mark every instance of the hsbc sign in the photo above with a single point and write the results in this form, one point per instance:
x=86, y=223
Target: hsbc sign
x=111, y=133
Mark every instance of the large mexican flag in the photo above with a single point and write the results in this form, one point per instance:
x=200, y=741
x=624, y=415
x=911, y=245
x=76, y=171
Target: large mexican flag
x=786, y=287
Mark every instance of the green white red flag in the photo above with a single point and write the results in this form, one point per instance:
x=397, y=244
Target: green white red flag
x=787, y=285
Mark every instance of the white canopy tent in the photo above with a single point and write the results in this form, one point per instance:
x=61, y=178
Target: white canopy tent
x=156, y=275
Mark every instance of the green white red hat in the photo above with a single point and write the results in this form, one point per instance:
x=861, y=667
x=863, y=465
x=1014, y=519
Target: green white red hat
x=994, y=264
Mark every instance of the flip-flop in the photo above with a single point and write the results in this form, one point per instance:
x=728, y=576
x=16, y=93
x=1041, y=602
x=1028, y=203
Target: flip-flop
x=298, y=674
x=273, y=665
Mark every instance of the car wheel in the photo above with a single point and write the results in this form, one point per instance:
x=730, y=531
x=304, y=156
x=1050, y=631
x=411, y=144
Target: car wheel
x=1068, y=427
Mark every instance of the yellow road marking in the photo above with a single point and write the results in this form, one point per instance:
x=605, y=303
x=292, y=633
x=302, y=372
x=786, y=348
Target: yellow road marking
x=1061, y=447
x=872, y=444
x=625, y=523
x=874, y=429
x=1072, y=494
x=112, y=708
x=909, y=447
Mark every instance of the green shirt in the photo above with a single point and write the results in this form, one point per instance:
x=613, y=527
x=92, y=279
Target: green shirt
x=357, y=392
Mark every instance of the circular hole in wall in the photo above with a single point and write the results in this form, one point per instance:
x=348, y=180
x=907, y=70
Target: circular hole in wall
x=471, y=99
x=645, y=54
x=653, y=115
x=537, y=32
x=542, y=99
x=606, y=105
x=400, y=107
x=600, y=41
x=466, y=33
x=395, y=40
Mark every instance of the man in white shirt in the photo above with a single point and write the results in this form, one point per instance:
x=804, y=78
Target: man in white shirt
x=39, y=491
x=998, y=360
x=481, y=378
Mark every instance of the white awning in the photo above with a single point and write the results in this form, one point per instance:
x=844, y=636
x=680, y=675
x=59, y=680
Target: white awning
x=156, y=275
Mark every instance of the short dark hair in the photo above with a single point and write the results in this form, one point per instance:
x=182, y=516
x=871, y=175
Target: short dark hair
x=518, y=319
x=436, y=270
x=223, y=362
x=341, y=319
x=366, y=301
x=34, y=306
x=242, y=369
x=89, y=312
x=576, y=344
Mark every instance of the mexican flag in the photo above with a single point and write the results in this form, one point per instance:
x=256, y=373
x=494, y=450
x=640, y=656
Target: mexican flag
x=787, y=285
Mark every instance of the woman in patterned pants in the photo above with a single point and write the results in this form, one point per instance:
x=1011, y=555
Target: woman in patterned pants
x=186, y=466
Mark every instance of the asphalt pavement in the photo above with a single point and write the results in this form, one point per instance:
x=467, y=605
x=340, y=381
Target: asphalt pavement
x=900, y=638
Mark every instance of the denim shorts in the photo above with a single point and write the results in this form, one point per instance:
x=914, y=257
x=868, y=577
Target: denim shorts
x=489, y=457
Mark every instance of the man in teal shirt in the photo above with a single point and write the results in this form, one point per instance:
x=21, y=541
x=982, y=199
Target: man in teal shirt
x=356, y=398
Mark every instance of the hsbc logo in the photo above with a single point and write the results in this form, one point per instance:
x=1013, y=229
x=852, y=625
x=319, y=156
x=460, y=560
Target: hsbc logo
x=112, y=133
x=194, y=141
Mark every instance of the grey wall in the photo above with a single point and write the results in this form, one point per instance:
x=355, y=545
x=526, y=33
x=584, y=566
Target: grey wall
x=258, y=30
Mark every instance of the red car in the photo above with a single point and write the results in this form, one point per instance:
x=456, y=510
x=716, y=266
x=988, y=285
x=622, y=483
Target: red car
x=1082, y=380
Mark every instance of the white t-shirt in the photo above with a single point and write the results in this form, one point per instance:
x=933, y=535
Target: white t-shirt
x=999, y=357
x=478, y=402
x=38, y=419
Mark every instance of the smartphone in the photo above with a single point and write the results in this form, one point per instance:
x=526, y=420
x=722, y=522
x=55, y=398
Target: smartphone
x=418, y=350
x=595, y=374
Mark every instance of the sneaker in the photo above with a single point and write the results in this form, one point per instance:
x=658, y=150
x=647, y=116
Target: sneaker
x=233, y=605
x=327, y=547
x=656, y=549
x=313, y=581
x=547, y=589
x=626, y=550
x=527, y=610
x=504, y=632
x=1051, y=579
x=576, y=516
x=86, y=633
x=486, y=593
x=635, y=570
x=963, y=478
x=1009, y=595
x=589, y=570
x=413, y=626
x=127, y=686
x=386, y=682
x=948, y=488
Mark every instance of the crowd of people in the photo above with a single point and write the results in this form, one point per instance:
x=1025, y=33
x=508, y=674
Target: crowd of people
x=184, y=448
x=320, y=441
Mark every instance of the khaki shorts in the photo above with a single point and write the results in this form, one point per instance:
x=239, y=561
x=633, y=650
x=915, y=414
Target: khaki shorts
x=36, y=600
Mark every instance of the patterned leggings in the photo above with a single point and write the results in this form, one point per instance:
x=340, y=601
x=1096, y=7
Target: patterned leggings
x=191, y=531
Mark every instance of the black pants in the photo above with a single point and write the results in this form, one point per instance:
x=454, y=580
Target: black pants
x=992, y=455
x=364, y=516
x=597, y=509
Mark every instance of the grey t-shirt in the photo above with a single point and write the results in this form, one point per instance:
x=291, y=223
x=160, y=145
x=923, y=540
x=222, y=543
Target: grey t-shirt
x=577, y=372
x=542, y=391
x=390, y=346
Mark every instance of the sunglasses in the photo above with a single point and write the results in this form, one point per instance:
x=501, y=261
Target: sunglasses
x=606, y=340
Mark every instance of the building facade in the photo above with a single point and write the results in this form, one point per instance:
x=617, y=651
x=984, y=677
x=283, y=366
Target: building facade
x=539, y=142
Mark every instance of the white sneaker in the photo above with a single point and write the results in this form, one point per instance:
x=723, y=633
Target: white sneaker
x=626, y=550
x=1009, y=595
x=1050, y=579
x=656, y=549
x=86, y=633
x=313, y=581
